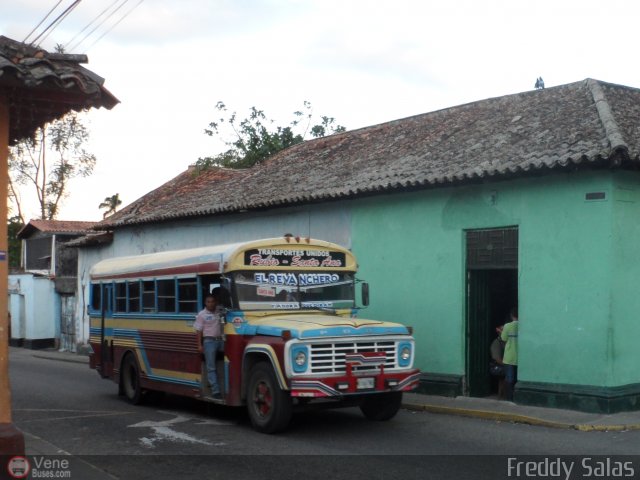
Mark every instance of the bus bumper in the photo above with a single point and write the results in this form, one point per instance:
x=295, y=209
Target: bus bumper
x=351, y=384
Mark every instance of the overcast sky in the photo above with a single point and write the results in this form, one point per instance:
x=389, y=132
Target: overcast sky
x=362, y=62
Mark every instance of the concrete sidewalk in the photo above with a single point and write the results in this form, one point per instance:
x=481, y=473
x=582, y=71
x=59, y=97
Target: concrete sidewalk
x=504, y=411
x=485, y=408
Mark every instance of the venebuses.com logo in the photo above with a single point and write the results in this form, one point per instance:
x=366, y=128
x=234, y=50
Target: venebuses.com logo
x=38, y=467
x=18, y=467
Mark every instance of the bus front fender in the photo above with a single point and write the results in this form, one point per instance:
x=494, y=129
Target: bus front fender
x=263, y=352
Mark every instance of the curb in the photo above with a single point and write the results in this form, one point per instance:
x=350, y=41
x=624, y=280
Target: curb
x=517, y=418
x=81, y=358
x=607, y=428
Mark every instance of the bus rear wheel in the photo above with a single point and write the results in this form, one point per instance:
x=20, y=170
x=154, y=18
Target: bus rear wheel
x=130, y=380
x=269, y=406
x=381, y=406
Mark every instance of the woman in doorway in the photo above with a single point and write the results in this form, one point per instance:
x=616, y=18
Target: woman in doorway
x=510, y=360
x=496, y=365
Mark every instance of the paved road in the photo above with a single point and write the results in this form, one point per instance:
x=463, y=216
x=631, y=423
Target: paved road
x=66, y=409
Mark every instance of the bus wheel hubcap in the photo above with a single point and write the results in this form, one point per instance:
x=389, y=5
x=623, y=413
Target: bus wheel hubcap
x=262, y=399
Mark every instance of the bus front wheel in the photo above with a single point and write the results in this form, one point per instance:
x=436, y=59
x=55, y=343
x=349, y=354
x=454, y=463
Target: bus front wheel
x=269, y=406
x=381, y=406
x=130, y=380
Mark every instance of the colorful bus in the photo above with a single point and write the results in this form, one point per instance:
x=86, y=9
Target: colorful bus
x=291, y=335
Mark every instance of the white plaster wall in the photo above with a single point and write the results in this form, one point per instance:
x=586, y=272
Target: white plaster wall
x=331, y=222
x=17, y=306
x=41, y=314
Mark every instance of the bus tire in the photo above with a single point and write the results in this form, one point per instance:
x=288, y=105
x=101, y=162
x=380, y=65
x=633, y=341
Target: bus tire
x=381, y=406
x=269, y=406
x=130, y=380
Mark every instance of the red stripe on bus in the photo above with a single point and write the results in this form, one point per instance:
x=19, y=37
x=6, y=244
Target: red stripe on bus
x=210, y=267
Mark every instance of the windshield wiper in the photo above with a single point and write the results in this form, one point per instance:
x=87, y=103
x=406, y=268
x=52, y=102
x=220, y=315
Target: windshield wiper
x=316, y=307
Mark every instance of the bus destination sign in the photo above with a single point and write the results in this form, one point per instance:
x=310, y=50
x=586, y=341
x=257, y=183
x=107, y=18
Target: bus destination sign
x=273, y=257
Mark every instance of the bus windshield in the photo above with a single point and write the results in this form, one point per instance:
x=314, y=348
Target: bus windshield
x=294, y=290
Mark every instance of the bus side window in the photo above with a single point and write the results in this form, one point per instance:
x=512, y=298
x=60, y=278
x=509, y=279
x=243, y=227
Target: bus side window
x=121, y=297
x=133, y=296
x=96, y=297
x=149, y=296
x=188, y=295
x=166, y=296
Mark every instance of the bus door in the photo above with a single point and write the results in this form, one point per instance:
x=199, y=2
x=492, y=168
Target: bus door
x=106, y=342
x=214, y=284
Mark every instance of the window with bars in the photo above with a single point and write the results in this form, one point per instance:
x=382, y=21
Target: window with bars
x=38, y=253
x=495, y=248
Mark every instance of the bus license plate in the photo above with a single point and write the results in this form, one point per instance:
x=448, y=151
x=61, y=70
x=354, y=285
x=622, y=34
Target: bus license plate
x=365, y=383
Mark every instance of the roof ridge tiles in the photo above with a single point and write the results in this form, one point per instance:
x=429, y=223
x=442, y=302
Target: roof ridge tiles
x=612, y=130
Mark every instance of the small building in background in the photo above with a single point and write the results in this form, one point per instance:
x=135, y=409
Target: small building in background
x=42, y=295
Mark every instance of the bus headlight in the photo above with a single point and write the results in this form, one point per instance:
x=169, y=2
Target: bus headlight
x=299, y=358
x=405, y=354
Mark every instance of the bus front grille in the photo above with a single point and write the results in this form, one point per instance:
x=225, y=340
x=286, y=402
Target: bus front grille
x=329, y=358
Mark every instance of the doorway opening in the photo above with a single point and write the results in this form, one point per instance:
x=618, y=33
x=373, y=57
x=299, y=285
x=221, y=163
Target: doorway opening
x=492, y=291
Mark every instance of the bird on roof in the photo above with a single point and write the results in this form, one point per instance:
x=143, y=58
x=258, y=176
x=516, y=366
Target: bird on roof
x=539, y=83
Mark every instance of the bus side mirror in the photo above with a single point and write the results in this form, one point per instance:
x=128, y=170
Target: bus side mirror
x=365, y=294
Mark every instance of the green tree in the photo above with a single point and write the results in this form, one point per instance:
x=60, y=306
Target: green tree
x=47, y=162
x=111, y=204
x=14, y=225
x=256, y=137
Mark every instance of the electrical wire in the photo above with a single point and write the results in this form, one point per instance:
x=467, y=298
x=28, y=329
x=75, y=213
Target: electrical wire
x=66, y=46
x=116, y=24
x=52, y=26
x=41, y=21
x=113, y=12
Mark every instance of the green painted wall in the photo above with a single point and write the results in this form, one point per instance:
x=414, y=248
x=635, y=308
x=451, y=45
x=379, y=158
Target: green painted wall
x=411, y=248
x=622, y=338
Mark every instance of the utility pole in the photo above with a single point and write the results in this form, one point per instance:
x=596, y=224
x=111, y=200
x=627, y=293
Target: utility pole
x=11, y=439
x=36, y=87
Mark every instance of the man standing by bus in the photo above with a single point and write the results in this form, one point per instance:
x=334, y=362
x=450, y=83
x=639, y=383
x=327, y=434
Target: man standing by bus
x=208, y=327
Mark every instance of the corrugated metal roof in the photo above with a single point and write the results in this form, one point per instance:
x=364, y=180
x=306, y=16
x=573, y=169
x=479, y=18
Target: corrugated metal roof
x=42, y=86
x=586, y=124
x=91, y=240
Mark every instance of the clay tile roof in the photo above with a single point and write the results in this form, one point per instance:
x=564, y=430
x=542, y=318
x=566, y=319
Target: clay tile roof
x=587, y=124
x=56, y=227
x=189, y=194
x=42, y=86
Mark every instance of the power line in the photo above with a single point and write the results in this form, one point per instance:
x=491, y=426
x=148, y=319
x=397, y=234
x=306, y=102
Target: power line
x=116, y=24
x=52, y=26
x=113, y=12
x=42, y=21
x=90, y=23
x=110, y=11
